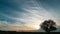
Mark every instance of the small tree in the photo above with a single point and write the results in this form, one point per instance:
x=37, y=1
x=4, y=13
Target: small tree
x=48, y=25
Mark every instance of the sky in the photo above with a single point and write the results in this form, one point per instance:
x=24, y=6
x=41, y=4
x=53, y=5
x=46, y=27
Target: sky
x=27, y=15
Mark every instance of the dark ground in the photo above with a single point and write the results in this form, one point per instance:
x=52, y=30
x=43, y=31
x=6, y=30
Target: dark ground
x=14, y=32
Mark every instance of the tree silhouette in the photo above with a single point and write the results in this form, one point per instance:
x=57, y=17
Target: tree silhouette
x=48, y=25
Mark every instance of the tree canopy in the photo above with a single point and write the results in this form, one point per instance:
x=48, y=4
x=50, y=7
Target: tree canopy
x=48, y=25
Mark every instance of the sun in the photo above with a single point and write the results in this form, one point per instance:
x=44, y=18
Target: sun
x=36, y=26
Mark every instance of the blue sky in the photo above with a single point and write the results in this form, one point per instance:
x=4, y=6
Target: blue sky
x=17, y=15
x=52, y=5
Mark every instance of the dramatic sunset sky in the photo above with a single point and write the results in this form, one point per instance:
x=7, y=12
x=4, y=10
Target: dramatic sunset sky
x=27, y=15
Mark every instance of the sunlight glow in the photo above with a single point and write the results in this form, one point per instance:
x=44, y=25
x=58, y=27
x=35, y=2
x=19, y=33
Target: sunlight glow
x=37, y=27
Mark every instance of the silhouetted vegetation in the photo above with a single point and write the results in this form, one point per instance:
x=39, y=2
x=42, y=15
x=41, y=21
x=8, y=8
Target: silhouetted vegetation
x=48, y=25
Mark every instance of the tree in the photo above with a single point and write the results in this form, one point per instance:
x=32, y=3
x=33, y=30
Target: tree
x=48, y=25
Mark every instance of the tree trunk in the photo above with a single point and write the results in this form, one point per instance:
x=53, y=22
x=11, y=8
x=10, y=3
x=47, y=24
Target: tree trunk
x=48, y=31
